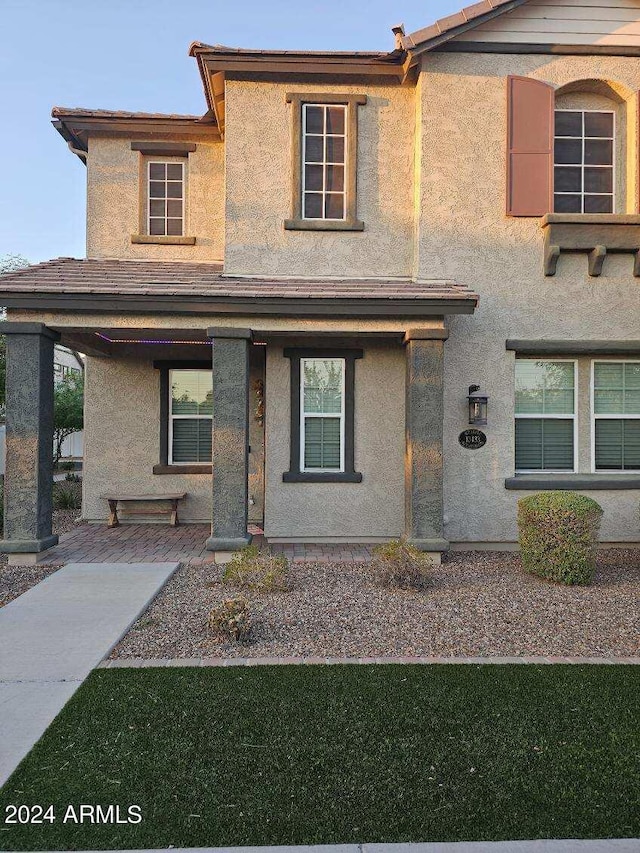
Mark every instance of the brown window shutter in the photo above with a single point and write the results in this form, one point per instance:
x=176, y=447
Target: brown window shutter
x=530, y=106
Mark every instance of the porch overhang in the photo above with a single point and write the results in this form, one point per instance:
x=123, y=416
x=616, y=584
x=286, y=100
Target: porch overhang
x=148, y=287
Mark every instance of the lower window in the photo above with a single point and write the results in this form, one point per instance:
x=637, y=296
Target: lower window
x=190, y=410
x=545, y=415
x=616, y=415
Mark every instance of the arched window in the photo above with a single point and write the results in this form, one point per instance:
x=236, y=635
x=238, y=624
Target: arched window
x=589, y=149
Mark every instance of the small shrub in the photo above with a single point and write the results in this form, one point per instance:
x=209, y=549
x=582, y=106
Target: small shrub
x=67, y=495
x=231, y=619
x=70, y=477
x=399, y=564
x=558, y=535
x=66, y=465
x=258, y=570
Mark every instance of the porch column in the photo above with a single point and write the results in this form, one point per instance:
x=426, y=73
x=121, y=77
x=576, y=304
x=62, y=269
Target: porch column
x=424, y=413
x=28, y=476
x=230, y=439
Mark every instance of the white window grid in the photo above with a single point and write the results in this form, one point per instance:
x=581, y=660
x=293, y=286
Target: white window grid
x=165, y=198
x=324, y=162
x=608, y=415
x=173, y=418
x=332, y=415
x=583, y=165
x=560, y=417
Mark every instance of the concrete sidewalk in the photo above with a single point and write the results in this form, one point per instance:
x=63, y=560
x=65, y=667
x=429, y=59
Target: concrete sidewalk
x=55, y=634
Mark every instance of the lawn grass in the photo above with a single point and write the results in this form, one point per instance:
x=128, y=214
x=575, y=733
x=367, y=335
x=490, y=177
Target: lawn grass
x=310, y=754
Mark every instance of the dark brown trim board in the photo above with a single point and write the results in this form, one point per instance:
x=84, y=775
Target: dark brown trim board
x=564, y=347
x=163, y=149
x=294, y=474
x=351, y=222
x=162, y=240
x=530, y=47
x=284, y=307
x=570, y=482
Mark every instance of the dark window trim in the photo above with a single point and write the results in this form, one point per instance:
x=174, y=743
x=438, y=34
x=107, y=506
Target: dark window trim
x=294, y=474
x=163, y=467
x=579, y=482
x=351, y=222
x=164, y=149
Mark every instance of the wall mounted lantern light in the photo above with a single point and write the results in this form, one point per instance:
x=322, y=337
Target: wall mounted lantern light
x=477, y=406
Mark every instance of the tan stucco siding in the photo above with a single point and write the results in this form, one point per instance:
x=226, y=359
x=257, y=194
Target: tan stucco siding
x=122, y=441
x=373, y=508
x=258, y=179
x=465, y=235
x=116, y=202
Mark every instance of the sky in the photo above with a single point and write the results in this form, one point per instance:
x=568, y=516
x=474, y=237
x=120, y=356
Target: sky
x=132, y=55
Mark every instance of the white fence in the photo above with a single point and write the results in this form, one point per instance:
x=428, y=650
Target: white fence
x=72, y=448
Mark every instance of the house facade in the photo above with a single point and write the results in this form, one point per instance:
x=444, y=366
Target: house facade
x=285, y=301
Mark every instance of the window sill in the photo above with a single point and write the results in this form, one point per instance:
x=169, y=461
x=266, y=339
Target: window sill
x=578, y=482
x=595, y=234
x=181, y=469
x=323, y=225
x=162, y=241
x=307, y=477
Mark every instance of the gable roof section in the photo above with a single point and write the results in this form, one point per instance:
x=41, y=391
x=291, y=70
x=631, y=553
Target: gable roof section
x=542, y=26
x=156, y=286
x=448, y=28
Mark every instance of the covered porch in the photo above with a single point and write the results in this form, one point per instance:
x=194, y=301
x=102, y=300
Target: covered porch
x=389, y=338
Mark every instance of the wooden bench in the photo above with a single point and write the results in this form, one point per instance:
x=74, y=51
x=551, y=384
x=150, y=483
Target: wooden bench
x=115, y=499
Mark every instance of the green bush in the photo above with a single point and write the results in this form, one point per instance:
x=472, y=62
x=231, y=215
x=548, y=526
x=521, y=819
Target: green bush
x=399, y=564
x=231, y=619
x=558, y=535
x=67, y=495
x=258, y=570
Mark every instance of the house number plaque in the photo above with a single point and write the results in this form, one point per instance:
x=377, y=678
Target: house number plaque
x=472, y=439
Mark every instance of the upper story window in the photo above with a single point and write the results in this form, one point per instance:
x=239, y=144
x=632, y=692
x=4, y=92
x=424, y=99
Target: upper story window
x=324, y=154
x=165, y=198
x=584, y=147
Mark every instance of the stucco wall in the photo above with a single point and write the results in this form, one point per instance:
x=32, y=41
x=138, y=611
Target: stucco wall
x=116, y=202
x=465, y=235
x=258, y=176
x=373, y=508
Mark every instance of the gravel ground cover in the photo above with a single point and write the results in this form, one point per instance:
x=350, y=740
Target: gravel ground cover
x=14, y=580
x=477, y=604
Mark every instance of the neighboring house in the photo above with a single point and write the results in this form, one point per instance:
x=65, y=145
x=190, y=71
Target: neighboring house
x=357, y=238
x=65, y=363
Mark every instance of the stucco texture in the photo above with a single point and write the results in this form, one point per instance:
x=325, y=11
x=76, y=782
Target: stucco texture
x=465, y=235
x=259, y=193
x=371, y=509
x=116, y=202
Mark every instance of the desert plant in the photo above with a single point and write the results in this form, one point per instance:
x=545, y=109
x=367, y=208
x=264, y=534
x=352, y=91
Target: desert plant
x=71, y=477
x=231, y=619
x=399, y=564
x=67, y=495
x=558, y=535
x=258, y=570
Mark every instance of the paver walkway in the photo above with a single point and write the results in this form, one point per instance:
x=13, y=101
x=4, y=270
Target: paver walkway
x=159, y=543
x=55, y=634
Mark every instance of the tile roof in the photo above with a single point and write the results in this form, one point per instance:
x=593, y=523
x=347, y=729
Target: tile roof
x=157, y=278
x=475, y=13
x=200, y=47
x=82, y=112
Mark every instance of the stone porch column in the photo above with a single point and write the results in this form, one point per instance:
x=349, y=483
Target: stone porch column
x=230, y=438
x=424, y=413
x=29, y=441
